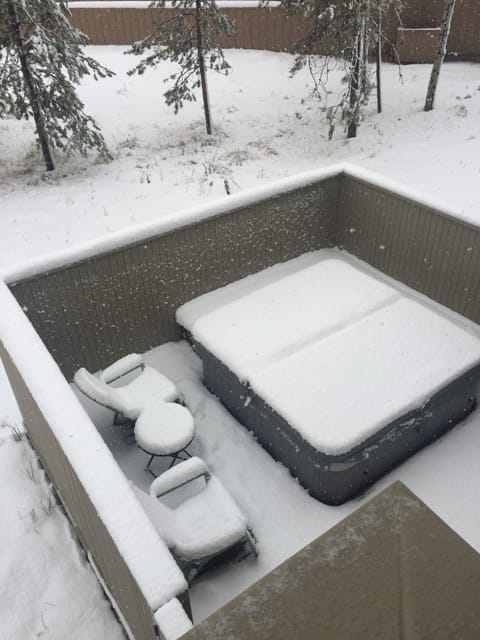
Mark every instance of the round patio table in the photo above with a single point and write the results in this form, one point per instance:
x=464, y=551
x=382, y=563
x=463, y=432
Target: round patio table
x=164, y=429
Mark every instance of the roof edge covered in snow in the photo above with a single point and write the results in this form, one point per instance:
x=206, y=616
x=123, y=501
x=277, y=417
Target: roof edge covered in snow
x=350, y=580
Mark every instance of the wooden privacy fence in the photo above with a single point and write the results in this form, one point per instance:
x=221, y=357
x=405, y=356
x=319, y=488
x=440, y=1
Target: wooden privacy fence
x=257, y=28
x=266, y=28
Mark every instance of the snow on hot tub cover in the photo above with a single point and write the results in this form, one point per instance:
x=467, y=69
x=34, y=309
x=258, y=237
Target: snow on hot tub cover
x=331, y=346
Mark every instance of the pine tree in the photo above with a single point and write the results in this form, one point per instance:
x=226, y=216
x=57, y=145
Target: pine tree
x=349, y=30
x=441, y=51
x=41, y=61
x=188, y=38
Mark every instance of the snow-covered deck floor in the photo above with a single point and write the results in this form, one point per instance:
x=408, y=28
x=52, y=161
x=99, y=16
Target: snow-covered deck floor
x=284, y=517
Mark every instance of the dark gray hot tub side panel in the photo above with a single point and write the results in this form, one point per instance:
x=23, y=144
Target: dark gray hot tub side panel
x=94, y=311
x=333, y=479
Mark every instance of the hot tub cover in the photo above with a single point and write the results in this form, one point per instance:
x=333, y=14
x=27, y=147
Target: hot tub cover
x=333, y=350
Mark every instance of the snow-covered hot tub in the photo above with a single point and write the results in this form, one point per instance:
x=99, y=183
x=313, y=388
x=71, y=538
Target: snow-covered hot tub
x=340, y=373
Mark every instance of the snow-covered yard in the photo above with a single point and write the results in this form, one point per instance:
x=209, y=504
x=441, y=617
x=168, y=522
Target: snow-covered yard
x=265, y=128
x=48, y=588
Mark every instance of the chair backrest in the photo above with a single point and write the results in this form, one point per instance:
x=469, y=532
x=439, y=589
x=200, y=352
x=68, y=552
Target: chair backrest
x=179, y=475
x=125, y=399
x=122, y=367
x=94, y=388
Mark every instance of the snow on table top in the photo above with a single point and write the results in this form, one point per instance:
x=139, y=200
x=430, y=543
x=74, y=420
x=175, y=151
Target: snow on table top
x=332, y=347
x=266, y=316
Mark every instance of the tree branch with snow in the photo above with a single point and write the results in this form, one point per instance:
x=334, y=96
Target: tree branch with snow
x=41, y=61
x=189, y=38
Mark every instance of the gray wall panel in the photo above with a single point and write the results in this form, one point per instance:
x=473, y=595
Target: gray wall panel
x=429, y=251
x=92, y=312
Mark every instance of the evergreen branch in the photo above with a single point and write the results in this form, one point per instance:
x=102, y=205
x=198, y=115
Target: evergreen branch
x=42, y=63
x=188, y=39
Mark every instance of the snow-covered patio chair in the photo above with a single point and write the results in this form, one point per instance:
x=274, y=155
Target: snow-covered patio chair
x=126, y=387
x=204, y=528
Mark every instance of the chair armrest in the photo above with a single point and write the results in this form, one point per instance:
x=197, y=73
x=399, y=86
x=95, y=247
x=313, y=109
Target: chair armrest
x=178, y=476
x=122, y=367
x=92, y=387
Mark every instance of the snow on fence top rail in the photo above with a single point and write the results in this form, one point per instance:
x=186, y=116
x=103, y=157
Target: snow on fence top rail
x=408, y=193
x=171, y=222
x=226, y=204
x=146, y=555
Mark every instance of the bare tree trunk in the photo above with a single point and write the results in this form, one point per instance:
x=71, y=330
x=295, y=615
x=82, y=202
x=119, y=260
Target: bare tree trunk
x=201, y=65
x=354, y=86
x=379, y=65
x=30, y=86
x=440, y=55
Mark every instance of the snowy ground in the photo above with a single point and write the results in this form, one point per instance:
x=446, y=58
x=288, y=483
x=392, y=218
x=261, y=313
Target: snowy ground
x=264, y=129
x=48, y=589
